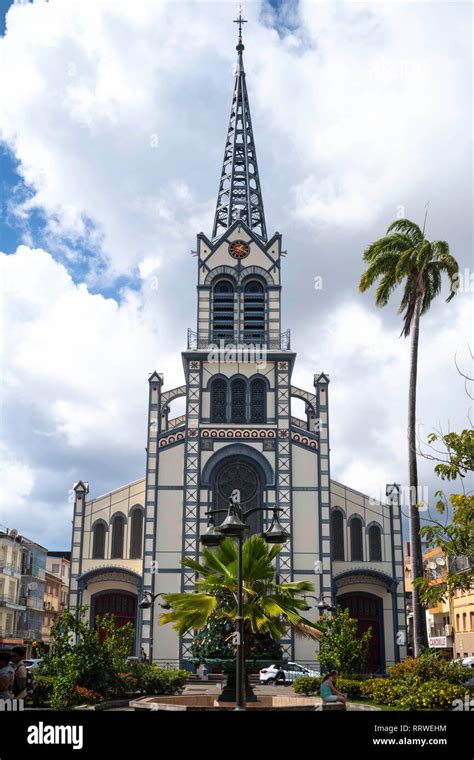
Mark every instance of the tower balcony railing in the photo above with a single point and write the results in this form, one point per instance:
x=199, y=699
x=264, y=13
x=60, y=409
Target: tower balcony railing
x=224, y=338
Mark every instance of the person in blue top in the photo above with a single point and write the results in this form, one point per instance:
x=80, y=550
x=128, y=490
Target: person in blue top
x=328, y=690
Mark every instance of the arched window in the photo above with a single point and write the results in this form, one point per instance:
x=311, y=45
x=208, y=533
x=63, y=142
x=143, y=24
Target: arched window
x=357, y=553
x=337, y=533
x=237, y=400
x=254, y=312
x=219, y=400
x=223, y=314
x=136, y=533
x=258, y=397
x=375, y=544
x=118, y=530
x=98, y=541
x=240, y=474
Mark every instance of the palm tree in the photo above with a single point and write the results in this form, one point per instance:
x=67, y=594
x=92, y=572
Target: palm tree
x=269, y=607
x=404, y=255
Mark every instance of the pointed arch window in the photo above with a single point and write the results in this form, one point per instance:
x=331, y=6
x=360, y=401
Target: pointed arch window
x=337, y=531
x=118, y=531
x=375, y=544
x=136, y=533
x=357, y=552
x=258, y=396
x=98, y=541
x=219, y=401
x=254, y=312
x=223, y=311
x=238, y=400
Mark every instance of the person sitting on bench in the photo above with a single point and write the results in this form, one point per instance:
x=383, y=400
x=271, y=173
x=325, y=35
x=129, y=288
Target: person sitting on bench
x=328, y=690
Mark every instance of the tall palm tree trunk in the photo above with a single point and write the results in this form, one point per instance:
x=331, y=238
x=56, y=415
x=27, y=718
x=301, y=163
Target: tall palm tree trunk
x=419, y=619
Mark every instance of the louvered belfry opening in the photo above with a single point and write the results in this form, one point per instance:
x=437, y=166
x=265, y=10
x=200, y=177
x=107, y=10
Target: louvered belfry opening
x=223, y=312
x=254, y=312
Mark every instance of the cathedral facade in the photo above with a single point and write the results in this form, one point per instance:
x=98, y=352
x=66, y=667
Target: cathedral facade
x=238, y=433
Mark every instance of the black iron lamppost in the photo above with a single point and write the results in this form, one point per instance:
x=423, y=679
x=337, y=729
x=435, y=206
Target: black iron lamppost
x=323, y=603
x=234, y=526
x=148, y=600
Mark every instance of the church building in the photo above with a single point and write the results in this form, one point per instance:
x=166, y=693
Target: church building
x=238, y=432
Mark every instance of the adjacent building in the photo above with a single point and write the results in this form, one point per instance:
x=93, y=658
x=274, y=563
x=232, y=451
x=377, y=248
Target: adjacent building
x=56, y=592
x=12, y=604
x=438, y=618
x=33, y=591
x=462, y=612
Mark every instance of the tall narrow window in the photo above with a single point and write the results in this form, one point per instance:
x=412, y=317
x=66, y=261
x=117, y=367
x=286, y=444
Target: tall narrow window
x=254, y=312
x=375, y=544
x=136, y=534
x=357, y=553
x=337, y=531
x=258, y=412
x=219, y=401
x=118, y=529
x=237, y=400
x=98, y=541
x=223, y=311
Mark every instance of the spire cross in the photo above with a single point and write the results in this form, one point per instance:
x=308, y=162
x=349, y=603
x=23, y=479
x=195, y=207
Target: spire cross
x=240, y=21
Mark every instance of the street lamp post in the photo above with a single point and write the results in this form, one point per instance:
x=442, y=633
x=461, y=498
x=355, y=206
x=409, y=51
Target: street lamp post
x=321, y=603
x=148, y=600
x=234, y=526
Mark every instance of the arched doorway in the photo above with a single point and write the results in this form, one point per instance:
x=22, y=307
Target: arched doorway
x=120, y=603
x=243, y=475
x=367, y=610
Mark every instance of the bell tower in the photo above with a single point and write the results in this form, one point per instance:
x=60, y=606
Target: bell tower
x=239, y=267
x=238, y=361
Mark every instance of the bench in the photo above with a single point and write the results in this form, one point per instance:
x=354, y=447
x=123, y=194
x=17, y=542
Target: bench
x=333, y=707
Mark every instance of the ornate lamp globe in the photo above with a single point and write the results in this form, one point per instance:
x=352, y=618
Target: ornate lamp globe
x=276, y=534
x=212, y=537
x=233, y=527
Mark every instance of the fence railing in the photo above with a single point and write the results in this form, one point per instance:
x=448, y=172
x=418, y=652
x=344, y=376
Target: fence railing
x=239, y=341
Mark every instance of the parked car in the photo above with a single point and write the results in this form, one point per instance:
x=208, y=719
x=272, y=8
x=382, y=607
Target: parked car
x=468, y=662
x=32, y=664
x=286, y=673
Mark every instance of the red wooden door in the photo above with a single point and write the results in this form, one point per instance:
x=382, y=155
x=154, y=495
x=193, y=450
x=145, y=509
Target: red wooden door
x=122, y=605
x=365, y=608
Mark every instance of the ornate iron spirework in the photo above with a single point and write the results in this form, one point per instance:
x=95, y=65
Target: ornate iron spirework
x=240, y=195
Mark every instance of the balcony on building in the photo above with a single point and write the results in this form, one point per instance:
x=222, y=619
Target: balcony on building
x=12, y=601
x=223, y=338
x=7, y=568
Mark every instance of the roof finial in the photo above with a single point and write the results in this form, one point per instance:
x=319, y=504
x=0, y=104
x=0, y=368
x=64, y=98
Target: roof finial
x=240, y=21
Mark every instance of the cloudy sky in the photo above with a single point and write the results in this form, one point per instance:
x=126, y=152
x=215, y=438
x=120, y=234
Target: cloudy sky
x=112, y=120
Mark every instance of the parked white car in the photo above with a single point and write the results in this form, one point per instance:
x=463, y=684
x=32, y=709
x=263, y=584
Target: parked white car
x=286, y=673
x=32, y=664
x=468, y=662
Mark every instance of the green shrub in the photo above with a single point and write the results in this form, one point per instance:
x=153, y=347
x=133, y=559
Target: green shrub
x=307, y=685
x=64, y=695
x=383, y=691
x=42, y=691
x=158, y=681
x=429, y=695
x=413, y=694
x=350, y=686
x=429, y=666
x=340, y=647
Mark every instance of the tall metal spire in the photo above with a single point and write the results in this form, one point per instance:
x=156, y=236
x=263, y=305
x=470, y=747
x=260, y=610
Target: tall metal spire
x=239, y=194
